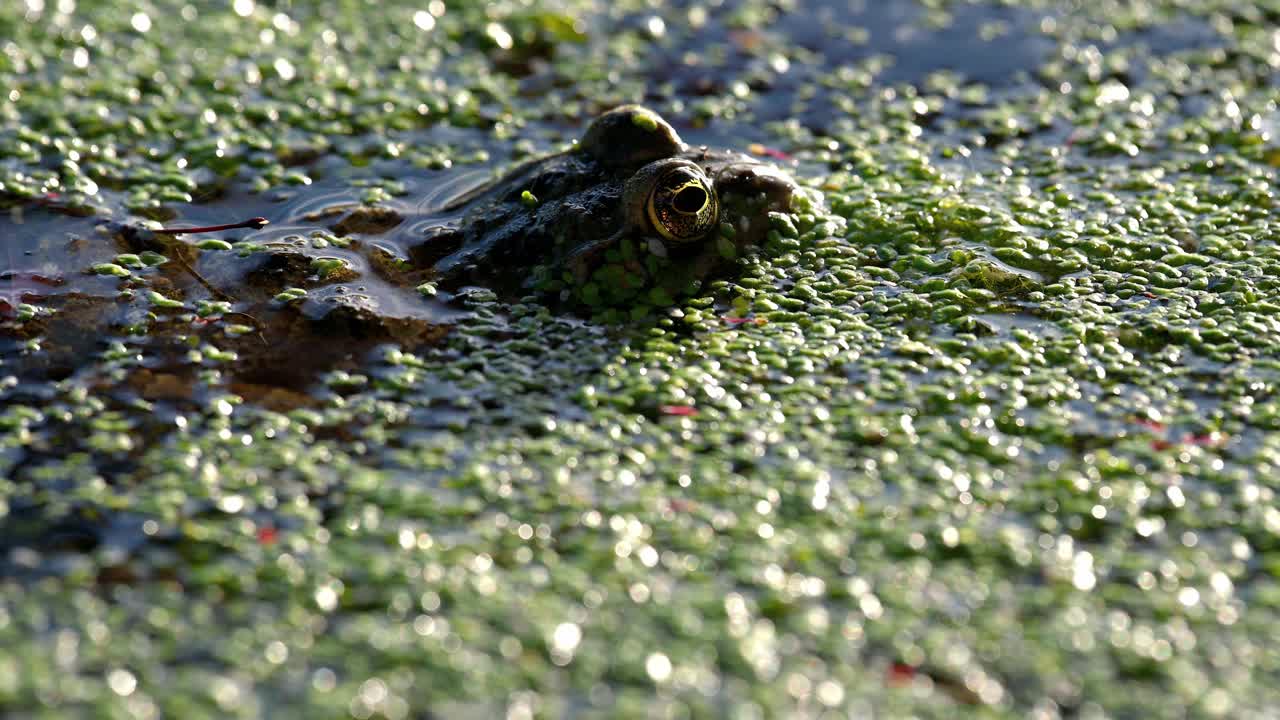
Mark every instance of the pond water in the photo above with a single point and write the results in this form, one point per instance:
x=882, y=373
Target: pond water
x=987, y=427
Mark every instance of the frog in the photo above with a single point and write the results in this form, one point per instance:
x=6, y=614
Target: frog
x=630, y=207
x=672, y=211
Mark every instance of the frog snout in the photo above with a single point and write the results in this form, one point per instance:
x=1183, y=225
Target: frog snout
x=762, y=187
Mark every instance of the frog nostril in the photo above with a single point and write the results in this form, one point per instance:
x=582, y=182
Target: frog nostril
x=690, y=200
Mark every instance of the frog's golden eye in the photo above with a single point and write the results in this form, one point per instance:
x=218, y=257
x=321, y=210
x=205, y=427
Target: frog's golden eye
x=682, y=205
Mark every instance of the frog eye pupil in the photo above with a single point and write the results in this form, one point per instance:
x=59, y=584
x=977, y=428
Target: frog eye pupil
x=679, y=201
x=690, y=199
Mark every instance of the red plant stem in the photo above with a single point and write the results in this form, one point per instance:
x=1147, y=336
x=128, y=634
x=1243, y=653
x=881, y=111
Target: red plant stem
x=256, y=223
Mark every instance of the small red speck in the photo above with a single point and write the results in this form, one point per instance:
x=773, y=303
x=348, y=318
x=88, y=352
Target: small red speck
x=267, y=535
x=1161, y=444
x=678, y=410
x=1149, y=424
x=732, y=320
x=680, y=506
x=1149, y=295
x=766, y=151
x=900, y=674
x=746, y=39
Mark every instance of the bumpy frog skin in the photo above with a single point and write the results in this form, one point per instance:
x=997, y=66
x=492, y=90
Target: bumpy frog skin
x=550, y=222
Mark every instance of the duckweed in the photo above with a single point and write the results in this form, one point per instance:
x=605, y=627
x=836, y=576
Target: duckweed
x=988, y=427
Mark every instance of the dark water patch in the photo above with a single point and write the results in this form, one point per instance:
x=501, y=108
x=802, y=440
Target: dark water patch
x=39, y=259
x=789, y=64
x=981, y=42
x=38, y=541
x=1001, y=324
x=1179, y=34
